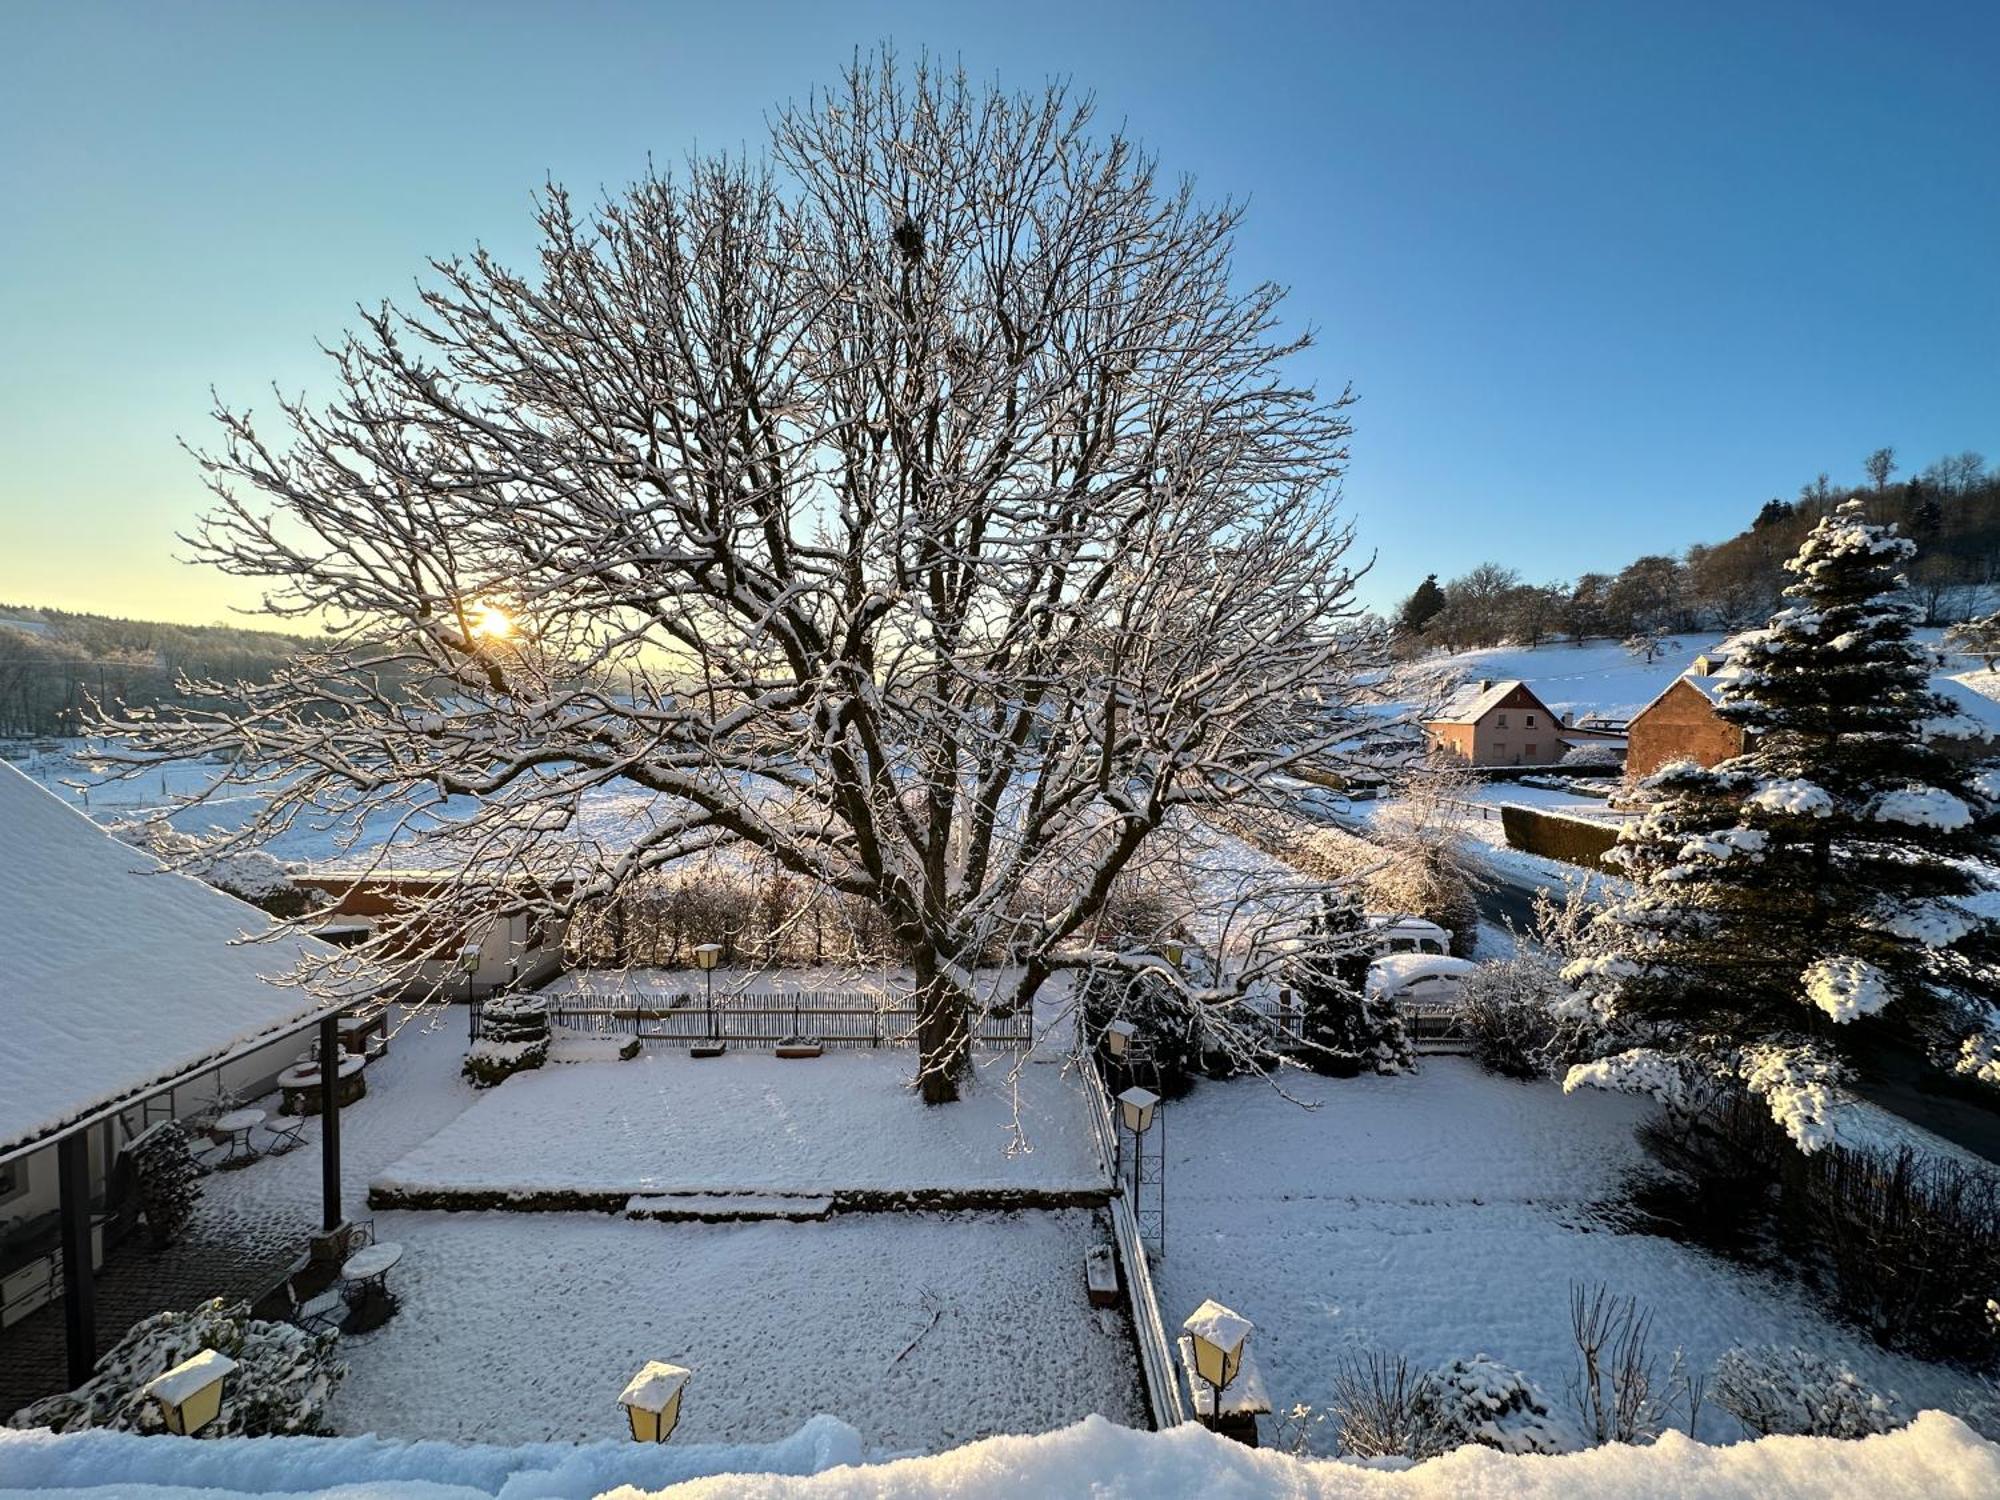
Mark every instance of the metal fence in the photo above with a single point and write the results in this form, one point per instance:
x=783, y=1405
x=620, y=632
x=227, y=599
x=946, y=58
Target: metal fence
x=1157, y=1367
x=832, y=1019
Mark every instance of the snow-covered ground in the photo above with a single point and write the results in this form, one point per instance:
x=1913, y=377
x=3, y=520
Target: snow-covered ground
x=920, y=1330
x=1935, y=1458
x=1446, y=1214
x=752, y=1122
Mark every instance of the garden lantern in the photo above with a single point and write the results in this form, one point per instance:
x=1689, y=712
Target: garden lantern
x=190, y=1394
x=1136, y=1105
x=1172, y=951
x=1118, y=1037
x=652, y=1400
x=706, y=954
x=1218, y=1335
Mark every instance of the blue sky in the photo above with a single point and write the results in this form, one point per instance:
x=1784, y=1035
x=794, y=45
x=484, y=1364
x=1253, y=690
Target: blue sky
x=1604, y=277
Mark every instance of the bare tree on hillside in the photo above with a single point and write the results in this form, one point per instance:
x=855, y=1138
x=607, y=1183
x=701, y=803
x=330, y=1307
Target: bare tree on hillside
x=1878, y=466
x=928, y=510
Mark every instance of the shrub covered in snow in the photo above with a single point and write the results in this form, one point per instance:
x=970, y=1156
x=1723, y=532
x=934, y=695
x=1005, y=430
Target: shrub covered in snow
x=1798, y=1393
x=1384, y=1411
x=1480, y=1400
x=281, y=1384
x=514, y=1038
x=1523, y=1018
x=250, y=875
x=1600, y=753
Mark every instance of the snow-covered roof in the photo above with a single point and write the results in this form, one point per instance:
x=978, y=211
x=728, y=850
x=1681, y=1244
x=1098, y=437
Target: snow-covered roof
x=1398, y=971
x=1475, y=700
x=117, y=975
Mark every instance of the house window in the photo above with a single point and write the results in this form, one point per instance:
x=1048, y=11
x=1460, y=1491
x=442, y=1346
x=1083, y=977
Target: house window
x=1531, y=750
x=1531, y=721
x=1501, y=722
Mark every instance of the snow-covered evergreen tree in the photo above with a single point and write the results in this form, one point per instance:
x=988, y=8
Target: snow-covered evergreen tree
x=1800, y=904
x=1347, y=1029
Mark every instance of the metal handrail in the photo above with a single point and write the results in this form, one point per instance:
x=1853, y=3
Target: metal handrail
x=1156, y=1358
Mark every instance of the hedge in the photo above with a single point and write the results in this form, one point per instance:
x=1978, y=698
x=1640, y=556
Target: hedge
x=1576, y=841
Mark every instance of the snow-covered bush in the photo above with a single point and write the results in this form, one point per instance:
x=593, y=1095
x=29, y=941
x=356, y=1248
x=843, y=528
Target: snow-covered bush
x=250, y=875
x=1796, y=1392
x=166, y=1179
x=514, y=1038
x=1593, y=753
x=281, y=1384
x=1384, y=1411
x=1480, y=1400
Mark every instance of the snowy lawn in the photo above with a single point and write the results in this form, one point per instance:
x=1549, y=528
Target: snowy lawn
x=920, y=1330
x=1446, y=1214
x=752, y=1122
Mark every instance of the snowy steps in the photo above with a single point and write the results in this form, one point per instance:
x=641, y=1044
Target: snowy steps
x=725, y=1208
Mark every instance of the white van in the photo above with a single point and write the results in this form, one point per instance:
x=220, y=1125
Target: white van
x=1408, y=935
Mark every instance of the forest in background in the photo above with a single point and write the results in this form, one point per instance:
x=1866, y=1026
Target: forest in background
x=1951, y=509
x=54, y=663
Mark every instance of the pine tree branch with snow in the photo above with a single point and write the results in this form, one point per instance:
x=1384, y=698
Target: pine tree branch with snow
x=1825, y=894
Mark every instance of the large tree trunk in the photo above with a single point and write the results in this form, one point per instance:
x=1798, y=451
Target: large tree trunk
x=944, y=1036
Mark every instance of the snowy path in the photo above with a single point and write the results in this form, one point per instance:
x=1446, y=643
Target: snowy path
x=1447, y=1214
x=920, y=1330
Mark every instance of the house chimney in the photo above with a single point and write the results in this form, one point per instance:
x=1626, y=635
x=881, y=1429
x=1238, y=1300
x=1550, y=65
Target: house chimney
x=1485, y=684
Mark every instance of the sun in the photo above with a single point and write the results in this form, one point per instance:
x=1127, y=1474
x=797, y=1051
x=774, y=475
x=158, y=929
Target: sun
x=493, y=622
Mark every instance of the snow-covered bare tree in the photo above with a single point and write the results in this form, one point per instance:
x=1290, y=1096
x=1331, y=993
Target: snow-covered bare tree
x=927, y=507
x=1426, y=868
x=1819, y=896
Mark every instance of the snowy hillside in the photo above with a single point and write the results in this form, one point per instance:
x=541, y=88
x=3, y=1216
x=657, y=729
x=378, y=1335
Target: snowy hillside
x=1601, y=679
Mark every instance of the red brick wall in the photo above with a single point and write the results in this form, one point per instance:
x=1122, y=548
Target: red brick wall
x=1681, y=725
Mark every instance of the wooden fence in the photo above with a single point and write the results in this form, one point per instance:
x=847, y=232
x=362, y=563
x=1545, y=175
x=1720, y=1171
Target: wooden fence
x=831, y=1018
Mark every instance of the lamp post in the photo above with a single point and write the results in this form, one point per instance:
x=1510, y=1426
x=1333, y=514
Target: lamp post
x=706, y=954
x=1118, y=1037
x=1136, y=1107
x=190, y=1394
x=468, y=963
x=652, y=1400
x=1171, y=950
x=1218, y=1334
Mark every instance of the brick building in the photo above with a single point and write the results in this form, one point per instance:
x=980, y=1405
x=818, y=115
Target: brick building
x=1682, y=724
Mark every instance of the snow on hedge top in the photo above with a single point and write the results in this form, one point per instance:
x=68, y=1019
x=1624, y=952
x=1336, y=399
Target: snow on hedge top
x=1935, y=1456
x=115, y=973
